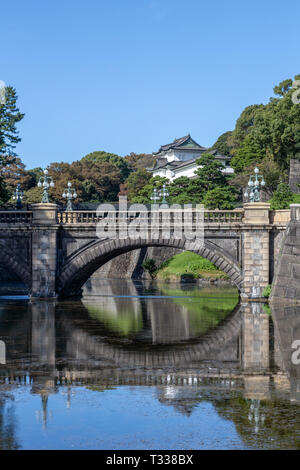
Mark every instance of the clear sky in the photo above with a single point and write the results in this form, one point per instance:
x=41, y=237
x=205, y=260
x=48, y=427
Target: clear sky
x=130, y=75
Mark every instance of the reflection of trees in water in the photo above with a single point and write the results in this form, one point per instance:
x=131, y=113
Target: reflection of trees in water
x=261, y=422
x=8, y=424
x=170, y=319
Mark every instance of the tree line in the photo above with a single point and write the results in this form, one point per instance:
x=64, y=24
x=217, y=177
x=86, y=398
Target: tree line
x=265, y=135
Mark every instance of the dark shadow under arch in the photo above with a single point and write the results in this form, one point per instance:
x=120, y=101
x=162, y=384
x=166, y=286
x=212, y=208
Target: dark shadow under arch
x=9, y=262
x=77, y=269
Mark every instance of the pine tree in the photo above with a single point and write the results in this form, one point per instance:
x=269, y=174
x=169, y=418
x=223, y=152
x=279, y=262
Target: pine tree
x=9, y=117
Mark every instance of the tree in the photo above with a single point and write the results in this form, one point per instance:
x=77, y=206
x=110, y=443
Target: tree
x=149, y=265
x=282, y=197
x=224, y=144
x=94, y=181
x=140, y=160
x=4, y=193
x=219, y=198
x=9, y=118
x=104, y=157
x=14, y=172
x=249, y=152
x=136, y=181
x=145, y=193
x=271, y=130
x=179, y=190
x=33, y=196
x=209, y=174
x=271, y=171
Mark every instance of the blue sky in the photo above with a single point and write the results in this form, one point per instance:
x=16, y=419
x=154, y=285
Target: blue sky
x=130, y=75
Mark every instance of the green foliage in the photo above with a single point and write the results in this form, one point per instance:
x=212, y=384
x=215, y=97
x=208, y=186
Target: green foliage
x=271, y=130
x=267, y=291
x=249, y=152
x=209, y=174
x=149, y=266
x=220, y=198
x=4, y=193
x=188, y=263
x=126, y=322
x=119, y=162
x=136, y=182
x=206, y=307
x=10, y=116
x=33, y=196
x=144, y=194
x=223, y=144
x=282, y=197
x=267, y=309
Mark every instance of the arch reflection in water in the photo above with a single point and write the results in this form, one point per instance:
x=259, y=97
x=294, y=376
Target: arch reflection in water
x=240, y=366
x=162, y=315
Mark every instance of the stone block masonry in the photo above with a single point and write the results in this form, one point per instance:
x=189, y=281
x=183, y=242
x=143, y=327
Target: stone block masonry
x=256, y=242
x=286, y=284
x=55, y=255
x=44, y=251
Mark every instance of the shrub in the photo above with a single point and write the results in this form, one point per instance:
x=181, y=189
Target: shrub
x=149, y=266
x=267, y=291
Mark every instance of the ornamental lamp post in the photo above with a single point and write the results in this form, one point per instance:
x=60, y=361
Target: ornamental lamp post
x=255, y=183
x=45, y=182
x=164, y=193
x=69, y=194
x=155, y=196
x=18, y=196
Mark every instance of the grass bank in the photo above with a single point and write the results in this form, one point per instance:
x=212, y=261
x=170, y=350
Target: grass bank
x=188, y=266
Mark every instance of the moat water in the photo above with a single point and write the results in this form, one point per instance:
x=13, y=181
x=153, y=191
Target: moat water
x=136, y=365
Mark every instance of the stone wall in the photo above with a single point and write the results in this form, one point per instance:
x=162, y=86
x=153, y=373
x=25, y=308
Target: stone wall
x=126, y=266
x=129, y=265
x=286, y=283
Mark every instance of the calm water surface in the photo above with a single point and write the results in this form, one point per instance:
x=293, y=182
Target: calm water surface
x=142, y=366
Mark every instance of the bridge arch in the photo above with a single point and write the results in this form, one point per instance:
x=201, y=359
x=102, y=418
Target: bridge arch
x=78, y=268
x=9, y=261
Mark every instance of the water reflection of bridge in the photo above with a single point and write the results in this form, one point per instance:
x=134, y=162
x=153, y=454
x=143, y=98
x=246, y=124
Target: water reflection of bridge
x=238, y=366
x=242, y=351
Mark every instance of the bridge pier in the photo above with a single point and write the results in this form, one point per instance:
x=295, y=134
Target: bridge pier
x=256, y=241
x=44, y=250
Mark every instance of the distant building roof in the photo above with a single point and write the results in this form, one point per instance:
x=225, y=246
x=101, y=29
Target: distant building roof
x=185, y=142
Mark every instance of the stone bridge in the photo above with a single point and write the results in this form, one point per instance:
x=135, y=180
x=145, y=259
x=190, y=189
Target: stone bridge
x=54, y=253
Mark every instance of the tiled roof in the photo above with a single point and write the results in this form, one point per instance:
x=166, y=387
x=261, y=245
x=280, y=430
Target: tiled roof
x=176, y=144
x=162, y=162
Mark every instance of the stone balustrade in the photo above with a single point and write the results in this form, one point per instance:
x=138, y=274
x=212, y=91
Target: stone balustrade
x=15, y=217
x=236, y=216
x=174, y=216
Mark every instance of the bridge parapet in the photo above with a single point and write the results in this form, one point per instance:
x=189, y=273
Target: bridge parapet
x=15, y=217
x=52, y=215
x=173, y=215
